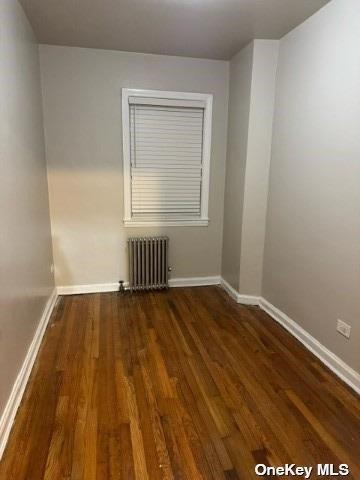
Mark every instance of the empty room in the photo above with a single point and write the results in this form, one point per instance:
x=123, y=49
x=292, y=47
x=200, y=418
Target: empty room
x=180, y=239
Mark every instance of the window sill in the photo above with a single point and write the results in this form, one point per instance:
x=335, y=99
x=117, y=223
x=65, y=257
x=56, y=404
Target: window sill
x=202, y=222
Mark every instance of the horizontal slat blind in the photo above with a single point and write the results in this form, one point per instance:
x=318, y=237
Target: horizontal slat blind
x=166, y=145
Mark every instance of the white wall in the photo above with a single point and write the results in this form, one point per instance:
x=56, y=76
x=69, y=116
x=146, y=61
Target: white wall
x=312, y=249
x=25, y=241
x=82, y=108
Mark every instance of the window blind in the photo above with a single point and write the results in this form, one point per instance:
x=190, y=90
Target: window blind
x=166, y=149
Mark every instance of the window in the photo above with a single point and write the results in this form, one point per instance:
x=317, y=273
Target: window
x=166, y=142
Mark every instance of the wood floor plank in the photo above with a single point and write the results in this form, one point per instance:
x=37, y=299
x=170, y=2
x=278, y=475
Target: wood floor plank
x=180, y=384
x=137, y=442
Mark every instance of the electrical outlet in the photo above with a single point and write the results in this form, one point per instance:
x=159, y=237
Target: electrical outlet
x=343, y=328
x=52, y=268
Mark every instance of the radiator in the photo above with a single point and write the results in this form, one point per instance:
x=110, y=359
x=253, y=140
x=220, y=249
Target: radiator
x=148, y=263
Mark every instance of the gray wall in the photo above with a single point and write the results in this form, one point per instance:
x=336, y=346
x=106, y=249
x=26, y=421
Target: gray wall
x=25, y=244
x=256, y=183
x=82, y=108
x=312, y=249
x=238, y=129
x=251, y=109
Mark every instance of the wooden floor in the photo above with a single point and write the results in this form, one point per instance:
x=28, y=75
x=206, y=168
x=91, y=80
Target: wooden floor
x=183, y=384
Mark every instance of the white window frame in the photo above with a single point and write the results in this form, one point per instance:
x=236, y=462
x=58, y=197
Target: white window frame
x=207, y=99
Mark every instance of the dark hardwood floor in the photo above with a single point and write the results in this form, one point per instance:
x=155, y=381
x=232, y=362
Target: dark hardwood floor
x=183, y=384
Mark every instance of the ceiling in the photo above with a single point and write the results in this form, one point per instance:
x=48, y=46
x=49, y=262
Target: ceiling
x=194, y=28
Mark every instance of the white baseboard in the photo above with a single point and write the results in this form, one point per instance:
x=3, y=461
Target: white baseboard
x=238, y=297
x=194, y=281
x=114, y=287
x=91, y=288
x=8, y=416
x=338, y=366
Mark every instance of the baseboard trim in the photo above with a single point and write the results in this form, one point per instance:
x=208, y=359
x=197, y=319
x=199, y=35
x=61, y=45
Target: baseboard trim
x=332, y=361
x=238, y=297
x=8, y=416
x=114, y=287
x=194, y=281
x=91, y=288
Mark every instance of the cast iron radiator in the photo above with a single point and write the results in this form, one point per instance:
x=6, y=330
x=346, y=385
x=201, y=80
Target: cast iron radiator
x=148, y=263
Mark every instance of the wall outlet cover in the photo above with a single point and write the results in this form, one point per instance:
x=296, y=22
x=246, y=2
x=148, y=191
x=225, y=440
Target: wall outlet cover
x=343, y=328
